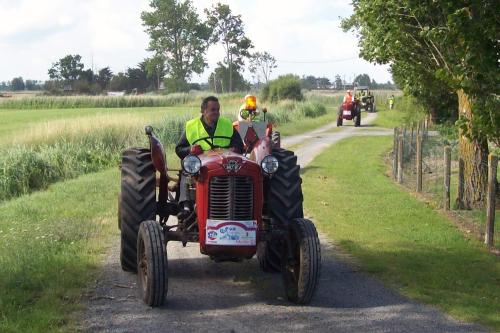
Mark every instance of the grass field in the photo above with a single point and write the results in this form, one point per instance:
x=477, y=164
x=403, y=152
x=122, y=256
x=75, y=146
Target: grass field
x=396, y=237
x=50, y=246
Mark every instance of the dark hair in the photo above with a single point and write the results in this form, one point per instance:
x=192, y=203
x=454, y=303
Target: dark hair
x=204, y=104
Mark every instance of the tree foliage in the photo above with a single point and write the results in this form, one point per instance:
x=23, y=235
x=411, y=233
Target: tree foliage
x=68, y=68
x=178, y=36
x=262, y=65
x=229, y=30
x=219, y=80
x=284, y=87
x=17, y=84
x=363, y=80
x=104, y=77
x=454, y=46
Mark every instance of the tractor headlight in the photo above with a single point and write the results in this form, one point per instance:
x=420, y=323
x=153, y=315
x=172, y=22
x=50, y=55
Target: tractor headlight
x=269, y=164
x=191, y=164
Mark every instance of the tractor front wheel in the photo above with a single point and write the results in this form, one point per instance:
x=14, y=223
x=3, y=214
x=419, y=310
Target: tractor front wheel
x=152, y=263
x=283, y=203
x=276, y=139
x=301, y=263
x=340, y=120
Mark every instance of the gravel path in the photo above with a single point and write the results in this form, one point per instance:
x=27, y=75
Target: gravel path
x=238, y=297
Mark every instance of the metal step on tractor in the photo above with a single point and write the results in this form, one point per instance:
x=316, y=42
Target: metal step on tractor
x=243, y=205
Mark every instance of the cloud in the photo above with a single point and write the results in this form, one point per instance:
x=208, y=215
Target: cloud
x=35, y=34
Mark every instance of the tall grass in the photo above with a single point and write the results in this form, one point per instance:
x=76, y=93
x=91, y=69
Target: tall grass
x=63, y=149
x=75, y=102
x=29, y=167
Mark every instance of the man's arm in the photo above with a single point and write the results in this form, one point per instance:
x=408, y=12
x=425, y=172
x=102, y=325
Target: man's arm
x=182, y=149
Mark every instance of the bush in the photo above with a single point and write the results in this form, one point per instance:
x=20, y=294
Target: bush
x=284, y=87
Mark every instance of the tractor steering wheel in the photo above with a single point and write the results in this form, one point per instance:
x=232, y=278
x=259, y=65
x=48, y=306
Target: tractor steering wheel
x=211, y=144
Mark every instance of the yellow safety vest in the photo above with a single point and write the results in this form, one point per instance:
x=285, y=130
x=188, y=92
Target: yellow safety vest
x=195, y=130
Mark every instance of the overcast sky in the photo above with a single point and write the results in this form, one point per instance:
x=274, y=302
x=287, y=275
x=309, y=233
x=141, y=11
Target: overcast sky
x=303, y=35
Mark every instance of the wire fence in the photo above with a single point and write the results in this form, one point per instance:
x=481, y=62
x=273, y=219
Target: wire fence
x=429, y=164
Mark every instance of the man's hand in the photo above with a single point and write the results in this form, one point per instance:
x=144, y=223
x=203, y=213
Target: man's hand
x=196, y=150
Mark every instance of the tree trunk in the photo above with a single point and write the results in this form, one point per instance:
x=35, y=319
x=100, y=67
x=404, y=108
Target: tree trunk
x=231, y=74
x=474, y=154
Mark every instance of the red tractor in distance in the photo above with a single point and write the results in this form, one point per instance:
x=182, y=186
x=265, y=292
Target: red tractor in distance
x=350, y=111
x=243, y=205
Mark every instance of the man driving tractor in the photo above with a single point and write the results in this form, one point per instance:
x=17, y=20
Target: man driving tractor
x=209, y=124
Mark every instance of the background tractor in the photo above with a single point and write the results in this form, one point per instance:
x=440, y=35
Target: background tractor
x=350, y=111
x=244, y=205
x=367, y=100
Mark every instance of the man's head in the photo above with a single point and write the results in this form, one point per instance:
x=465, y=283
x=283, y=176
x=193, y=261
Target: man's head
x=349, y=92
x=210, y=110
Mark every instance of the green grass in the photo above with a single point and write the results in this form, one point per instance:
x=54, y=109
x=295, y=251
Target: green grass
x=50, y=246
x=17, y=124
x=406, y=111
x=307, y=124
x=396, y=237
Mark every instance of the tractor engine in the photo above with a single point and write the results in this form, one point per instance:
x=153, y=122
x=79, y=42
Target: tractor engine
x=228, y=204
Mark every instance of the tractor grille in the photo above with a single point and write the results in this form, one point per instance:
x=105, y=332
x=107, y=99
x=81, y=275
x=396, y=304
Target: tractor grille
x=231, y=198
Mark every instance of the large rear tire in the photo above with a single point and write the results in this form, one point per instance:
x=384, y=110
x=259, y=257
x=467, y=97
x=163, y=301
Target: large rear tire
x=284, y=203
x=152, y=277
x=138, y=201
x=301, y=272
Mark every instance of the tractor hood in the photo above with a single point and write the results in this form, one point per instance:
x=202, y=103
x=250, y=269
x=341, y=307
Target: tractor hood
x=227, y=161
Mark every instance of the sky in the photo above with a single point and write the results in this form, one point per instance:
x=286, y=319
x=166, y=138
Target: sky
x=304, y=36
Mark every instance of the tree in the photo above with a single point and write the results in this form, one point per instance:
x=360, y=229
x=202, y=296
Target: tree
x=338, y=82
x=32, y=85
x=362, y=80
x=262, y=64
x=119, y=82
x=17, y=84
x=68, y=68
x=455, y=44
x=155, y=69
x=138, y=78
x=219, y=80
x=177, y=35
x=323, y=83
x=104, y=77
x=309, y=82
x=229, y=30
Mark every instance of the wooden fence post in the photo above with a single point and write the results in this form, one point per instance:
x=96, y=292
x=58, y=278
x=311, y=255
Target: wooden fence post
x=400, y=159
x=447, y=175
x=461, y=182
x=490, y=200
x=395, y=154
x=411, y=137
x=419, y=163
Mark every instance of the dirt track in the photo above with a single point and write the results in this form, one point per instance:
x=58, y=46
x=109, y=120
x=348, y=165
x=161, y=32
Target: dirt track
x=238, y=297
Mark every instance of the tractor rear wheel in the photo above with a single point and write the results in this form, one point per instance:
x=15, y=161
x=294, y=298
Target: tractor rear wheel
x=276, y=139
x=283, y=202
x=138, y=201
x=301, y=270
x=152, y=263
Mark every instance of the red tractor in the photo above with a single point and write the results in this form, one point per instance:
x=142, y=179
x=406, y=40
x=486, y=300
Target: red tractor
x=244, y=204
x=350, y=111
